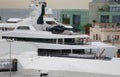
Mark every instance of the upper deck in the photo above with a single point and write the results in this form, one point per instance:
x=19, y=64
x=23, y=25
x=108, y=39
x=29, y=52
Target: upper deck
x=46, y=37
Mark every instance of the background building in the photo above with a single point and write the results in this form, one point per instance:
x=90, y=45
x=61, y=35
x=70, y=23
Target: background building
x=94, y=9
x=75, y=17
x=106, y=32
x=56, y=13
x=104, y=11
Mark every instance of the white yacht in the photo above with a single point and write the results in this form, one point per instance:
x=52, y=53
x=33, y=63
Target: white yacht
x=56, y=39
x=41, y=50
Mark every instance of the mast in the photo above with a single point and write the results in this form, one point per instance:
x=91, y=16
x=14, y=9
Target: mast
x=38, y=12
x=41, y=5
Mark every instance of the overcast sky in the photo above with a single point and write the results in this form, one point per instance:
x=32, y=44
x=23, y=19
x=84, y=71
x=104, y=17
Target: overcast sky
x=74, y=4
x=57, y=4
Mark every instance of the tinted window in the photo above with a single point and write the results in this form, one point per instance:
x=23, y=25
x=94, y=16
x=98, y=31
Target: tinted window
x=23, y=28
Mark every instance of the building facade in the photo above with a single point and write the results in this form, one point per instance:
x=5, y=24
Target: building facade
x=106, y=32
x=93, y=9
x=106, y=17
x=75, y=17
x=104, y=11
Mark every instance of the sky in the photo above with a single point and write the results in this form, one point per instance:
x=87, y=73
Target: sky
x=66, y=4
x=55, y=4
x=14, y=3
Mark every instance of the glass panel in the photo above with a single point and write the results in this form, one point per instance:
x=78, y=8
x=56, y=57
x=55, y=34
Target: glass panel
x=104, y=18
x=76, y=20
x=116, y=19
x=66, y=19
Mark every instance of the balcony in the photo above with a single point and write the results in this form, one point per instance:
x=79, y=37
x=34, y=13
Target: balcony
x=110, y=29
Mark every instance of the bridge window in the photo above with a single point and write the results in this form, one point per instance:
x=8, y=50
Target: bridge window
x=23, y=28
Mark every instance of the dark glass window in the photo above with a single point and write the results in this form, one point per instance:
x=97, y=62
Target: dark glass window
x=66, y=19
x=54, y=52
x=78, y=51
x=69, y=41
x=32, y=39
x=76, y=20
x=60, y=41
x=59, y=52
x=104, y=18
x=116, y=19
x=23, y=28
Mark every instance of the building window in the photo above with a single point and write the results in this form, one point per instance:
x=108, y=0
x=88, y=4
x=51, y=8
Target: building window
x=108, y=37
x=66, y=19
x=96, y=36
x=115, y=9
x=116, y=19
x=114, y=1
x=117, y=1
x=99, y=37
x=93, y=37
x=116, y=37
x=104, y=18
x=76, y=20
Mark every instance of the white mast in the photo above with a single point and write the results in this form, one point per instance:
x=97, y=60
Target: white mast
x=38, y=7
